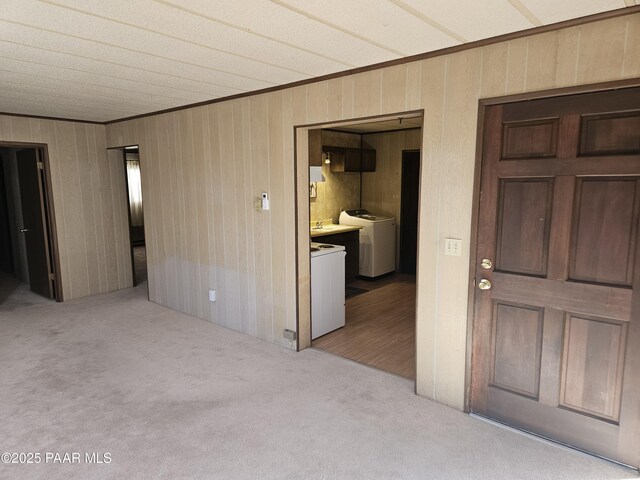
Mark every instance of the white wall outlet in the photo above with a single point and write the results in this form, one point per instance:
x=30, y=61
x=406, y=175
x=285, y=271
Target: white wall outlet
x=212, y=295
x=453, y=247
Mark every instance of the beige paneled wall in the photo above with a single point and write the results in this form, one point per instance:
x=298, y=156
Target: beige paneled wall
x=382, y=189
x=205, y=167
x=339, y=191
x=203, y=170
x=89, y=202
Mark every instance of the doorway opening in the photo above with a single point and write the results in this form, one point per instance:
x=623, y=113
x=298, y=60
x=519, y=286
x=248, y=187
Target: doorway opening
x=364, y=200
x=130, y=158
x=29, y=265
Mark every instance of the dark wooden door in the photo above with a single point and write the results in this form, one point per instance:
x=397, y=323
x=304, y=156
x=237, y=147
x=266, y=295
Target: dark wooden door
x=6, y=255
x=34, y=220
x=409, y=199
x=556, y=337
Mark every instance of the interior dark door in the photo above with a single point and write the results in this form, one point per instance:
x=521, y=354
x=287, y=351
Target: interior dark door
x=34, y=219
x=556, y=330
x=6, y=257
x=409, y=200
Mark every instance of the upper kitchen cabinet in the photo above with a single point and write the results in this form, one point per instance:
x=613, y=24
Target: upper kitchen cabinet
x=351, y=159
x=315, y=148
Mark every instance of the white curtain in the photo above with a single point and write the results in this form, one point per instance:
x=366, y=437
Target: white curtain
x=135, y=192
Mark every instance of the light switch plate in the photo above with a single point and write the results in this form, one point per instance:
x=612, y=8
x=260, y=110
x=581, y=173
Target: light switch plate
x=453, y=247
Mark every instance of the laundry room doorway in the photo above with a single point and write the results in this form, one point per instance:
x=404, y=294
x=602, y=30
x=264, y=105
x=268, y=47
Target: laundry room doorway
x=355, y=206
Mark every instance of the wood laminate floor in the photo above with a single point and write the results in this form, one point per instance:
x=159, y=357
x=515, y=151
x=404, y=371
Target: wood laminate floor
x=379, y=328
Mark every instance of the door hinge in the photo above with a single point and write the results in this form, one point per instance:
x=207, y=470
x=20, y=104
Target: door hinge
x=40, y=165
x=52, y=276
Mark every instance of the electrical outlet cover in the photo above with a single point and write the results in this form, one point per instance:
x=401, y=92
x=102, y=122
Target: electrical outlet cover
x=453, y=247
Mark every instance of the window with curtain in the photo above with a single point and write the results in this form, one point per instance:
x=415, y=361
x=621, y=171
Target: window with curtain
x=135, y=192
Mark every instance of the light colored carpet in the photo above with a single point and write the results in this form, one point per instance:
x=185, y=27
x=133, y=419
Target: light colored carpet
x=171, y=396
x=15, y=294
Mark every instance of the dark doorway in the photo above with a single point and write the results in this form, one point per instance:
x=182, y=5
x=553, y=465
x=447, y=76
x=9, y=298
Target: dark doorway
x=410, y=197
x=27, y=226
x=136, y=214
x=6, y=259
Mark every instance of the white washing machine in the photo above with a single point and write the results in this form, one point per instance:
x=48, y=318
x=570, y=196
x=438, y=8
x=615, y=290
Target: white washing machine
x=327, y=288
x=377, y=241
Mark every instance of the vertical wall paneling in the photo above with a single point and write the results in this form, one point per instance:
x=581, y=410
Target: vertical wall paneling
x=598, y=60
x=86, y=209
x=290, y=202
x=247, y=148
x=260, y=171
x=334, y=98
x=433, y=88
x=412, y=89
x=252, y=293
x=200, y=118
x=242, y=201
x=367, y=98
x=230, y=214
x=517, y=65
x=494, y=80
x=278, y=220
x=394, y=84
x=631, y=60
x=541, y=60
x=567, y=57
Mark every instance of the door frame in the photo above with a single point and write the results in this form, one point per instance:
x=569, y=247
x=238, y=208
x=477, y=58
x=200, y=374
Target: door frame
x=402, y=160
x=483, y=103
x=47, y=185
x=123, y=158
x=302, y=215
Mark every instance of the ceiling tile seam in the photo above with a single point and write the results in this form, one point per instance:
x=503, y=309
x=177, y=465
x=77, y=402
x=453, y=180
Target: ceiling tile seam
x=85, y=83
x=336, y=27
x=526, y=13
x=174, y=37
x=67, y=105
x=101, y=105
x=251, y=32
x=126, y=49
x=105, y=76
x=83, y=92
x=147, y=102
x=123, y=65
x=428, y=20
x=55, y=94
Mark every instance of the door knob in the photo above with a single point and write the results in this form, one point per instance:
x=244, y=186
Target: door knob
x=24, y=230
x=484, y=284
x=486, y=263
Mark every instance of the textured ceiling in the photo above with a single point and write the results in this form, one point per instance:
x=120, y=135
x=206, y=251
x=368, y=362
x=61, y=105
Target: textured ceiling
x=102, y=60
